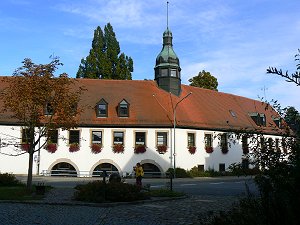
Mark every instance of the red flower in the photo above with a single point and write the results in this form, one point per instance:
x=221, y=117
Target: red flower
x=74, y=147
x=162, y=149
x=192, y=149
x=96, y=148
x=118, y=148
x=139, y=149
x=51, y=147
x=209, y=149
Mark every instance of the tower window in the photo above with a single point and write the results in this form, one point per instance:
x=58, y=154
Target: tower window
x=173, y=73
x=164, y=72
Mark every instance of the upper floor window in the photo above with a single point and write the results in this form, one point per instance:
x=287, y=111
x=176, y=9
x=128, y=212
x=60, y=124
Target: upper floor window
x=25, y=135
x=74, y=137
x=162, y=138
x=101, y=108
x=118, y=137
x=140, y=138
x=96, y=137
x=208, y=140
x=191, y=139
x=258, y=118
x=52, y=136
x=224, y=142
x=123, y=109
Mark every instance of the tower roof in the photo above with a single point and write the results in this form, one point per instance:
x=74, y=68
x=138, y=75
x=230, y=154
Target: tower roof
x=167, y=56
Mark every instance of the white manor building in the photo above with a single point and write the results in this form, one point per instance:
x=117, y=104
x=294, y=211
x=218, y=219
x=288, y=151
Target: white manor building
x=132, y=121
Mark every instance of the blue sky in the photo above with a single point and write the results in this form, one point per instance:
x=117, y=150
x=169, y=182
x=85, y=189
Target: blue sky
x=235, y=40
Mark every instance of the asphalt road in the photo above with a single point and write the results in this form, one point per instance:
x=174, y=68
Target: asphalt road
x=219, y=186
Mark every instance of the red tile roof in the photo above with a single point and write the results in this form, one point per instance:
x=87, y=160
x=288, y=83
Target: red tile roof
x=151, y=106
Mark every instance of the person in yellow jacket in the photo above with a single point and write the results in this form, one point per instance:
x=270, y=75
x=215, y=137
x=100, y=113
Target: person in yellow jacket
x=139, y=173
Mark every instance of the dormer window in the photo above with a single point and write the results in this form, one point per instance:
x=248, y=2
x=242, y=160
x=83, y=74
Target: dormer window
x=277, y=121
x=258, y=118
x=49, y=109
x=123, y=109
x=101, y=108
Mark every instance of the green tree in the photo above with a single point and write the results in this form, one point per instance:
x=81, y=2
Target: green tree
x=31, y=91
x=105, y=60
x=204, y=80
x=292, y=118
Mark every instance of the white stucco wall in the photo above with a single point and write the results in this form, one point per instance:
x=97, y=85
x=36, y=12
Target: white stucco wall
x=85, y=161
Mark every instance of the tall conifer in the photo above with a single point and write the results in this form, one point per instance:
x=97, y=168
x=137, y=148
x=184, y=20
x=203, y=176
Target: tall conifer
x=105, y=60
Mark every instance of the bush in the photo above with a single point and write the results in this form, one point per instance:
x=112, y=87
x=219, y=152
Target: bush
x=7, y=179
x=237, y=169
x=194, y=172
x=98, y=191
x=180, y=173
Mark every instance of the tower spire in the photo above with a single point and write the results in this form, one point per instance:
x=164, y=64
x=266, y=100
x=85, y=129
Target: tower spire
x=167, y=14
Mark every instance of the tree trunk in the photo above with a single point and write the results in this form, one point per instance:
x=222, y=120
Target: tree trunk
x=30, y=165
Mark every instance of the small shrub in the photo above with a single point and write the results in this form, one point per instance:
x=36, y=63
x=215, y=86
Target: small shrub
x=180, y=173
x=7, y=179
x=98, y=191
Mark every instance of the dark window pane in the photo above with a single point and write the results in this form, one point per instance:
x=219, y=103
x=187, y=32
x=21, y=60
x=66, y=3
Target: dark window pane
x=97, y=137
x=140, y=138
x=74, y=136
x=53, y=136
x=118, y=137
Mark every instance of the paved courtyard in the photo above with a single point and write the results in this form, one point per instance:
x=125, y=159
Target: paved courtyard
x=58, y=208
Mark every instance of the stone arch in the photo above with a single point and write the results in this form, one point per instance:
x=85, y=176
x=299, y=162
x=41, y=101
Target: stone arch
x=64, y=160
x=161, y=172
x=101, y=161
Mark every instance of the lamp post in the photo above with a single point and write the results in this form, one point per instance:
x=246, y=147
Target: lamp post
x=174, y=129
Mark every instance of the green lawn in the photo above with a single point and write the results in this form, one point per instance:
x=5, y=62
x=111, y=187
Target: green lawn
x=18, y=193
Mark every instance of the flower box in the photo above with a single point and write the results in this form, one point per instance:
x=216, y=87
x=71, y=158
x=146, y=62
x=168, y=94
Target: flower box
x=51, y=147
x=209, y=149
x=139, y=149
x=162, y=149
x=74, y=147
x=192, y=149
x=96, y=148
x=25, y=147
x=118, y=148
